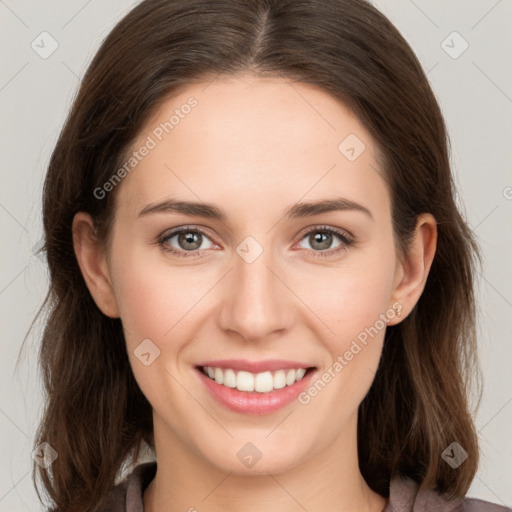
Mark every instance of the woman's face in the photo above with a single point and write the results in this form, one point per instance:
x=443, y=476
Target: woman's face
x=261, y=284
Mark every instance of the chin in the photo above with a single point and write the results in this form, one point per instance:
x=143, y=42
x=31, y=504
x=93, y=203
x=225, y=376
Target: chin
x=252, y=458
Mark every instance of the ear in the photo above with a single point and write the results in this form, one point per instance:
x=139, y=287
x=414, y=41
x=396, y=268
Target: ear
x=92, y=260
x=412, y=270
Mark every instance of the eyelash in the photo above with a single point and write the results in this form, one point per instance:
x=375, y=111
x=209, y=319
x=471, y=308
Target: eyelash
x=346, y=240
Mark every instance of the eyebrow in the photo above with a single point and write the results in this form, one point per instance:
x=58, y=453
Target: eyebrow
x=210, y=211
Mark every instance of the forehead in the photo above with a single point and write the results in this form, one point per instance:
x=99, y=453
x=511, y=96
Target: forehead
x=257, y=138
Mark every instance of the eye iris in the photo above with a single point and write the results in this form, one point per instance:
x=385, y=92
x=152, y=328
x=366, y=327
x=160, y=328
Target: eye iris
x=324, y=239
x=189, y=237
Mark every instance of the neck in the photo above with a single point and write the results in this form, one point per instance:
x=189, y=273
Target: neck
x=328, y=480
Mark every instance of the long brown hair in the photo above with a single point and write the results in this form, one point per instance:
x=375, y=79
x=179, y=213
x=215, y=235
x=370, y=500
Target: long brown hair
x=96, y=416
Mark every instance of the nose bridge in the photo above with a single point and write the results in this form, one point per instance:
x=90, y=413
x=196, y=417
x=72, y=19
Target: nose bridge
x=254, y=303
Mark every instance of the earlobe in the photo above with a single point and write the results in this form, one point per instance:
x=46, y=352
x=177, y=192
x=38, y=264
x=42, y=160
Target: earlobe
x=92, y=261
x=413, y=270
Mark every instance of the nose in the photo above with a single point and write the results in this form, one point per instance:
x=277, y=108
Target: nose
x=256, y=302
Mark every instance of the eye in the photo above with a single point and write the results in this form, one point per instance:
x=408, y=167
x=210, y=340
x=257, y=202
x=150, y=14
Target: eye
x=189, y=240
x=321, y=239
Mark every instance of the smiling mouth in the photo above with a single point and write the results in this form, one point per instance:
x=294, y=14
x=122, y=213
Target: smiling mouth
x=263, y=382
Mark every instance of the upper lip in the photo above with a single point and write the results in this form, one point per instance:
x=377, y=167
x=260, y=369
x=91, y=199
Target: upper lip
x=269, y=365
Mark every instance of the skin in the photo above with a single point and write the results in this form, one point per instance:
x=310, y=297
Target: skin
x=254, y=147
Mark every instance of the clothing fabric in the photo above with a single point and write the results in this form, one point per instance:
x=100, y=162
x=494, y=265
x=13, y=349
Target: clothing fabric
x=127, y=496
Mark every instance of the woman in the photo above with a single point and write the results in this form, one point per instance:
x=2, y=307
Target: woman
x=312, y=347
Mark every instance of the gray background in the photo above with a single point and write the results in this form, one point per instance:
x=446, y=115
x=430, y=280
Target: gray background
x=474, y=91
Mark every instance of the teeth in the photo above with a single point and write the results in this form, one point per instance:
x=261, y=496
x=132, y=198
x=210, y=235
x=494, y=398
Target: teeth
x=279, y=379
x=219, y=376
x=261, y=382
x=229, y=378
x=264, y=382
x=244, y=381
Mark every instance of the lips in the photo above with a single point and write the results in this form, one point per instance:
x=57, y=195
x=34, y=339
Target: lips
x=255, y=387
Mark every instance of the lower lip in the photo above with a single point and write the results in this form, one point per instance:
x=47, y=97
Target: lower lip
x=253, y=402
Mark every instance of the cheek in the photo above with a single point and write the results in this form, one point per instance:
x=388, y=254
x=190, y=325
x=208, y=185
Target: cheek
x=151, y=299
x=156, y=304
x=352, y=297
x=144, y=304
x=355, y=306
x=355, y=309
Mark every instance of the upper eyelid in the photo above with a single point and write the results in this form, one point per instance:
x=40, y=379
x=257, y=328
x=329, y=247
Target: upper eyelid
x=325, y=227
x=180, y=229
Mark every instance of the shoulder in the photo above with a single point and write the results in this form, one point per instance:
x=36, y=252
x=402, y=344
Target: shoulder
x=404, y=497
x=127, y=495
